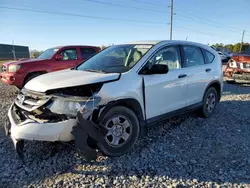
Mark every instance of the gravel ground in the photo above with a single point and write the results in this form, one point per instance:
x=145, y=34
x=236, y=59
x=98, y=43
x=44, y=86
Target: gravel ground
x=181, y=152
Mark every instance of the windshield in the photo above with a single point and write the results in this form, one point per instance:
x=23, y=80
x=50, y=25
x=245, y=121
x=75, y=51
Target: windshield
x=115, y=59
x=48, y=53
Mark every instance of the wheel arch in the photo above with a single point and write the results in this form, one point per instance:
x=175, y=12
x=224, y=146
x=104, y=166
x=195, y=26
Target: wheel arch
x=130, y=103
x=32, y=73
x=217, y=85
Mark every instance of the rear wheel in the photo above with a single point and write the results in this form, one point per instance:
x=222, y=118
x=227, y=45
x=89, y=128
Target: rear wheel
x=123, y=131
x=210, y=101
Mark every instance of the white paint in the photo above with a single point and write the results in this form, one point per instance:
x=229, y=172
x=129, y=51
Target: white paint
x=163, y=92
x=60, y=131
x=67, y=78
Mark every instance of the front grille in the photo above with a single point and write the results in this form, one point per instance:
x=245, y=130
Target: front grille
x=3, y=68
x=30, y=101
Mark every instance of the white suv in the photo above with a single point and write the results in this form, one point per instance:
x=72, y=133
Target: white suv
x=107, y=101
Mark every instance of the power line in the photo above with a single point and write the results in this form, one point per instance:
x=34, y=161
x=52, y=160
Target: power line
x=204, y=19
x=195, y=31
x=124, y=6
x=206, y=23
x=194, y=17
x=100, y=18
x=145, y=2
x=80, y=15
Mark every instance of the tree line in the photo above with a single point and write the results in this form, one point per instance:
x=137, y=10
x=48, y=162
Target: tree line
x=235, y=48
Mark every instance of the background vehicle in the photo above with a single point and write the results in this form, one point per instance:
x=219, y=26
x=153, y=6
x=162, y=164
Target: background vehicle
x=224, y=57
x=238, y=68
x=18, y=73
x=122, y=89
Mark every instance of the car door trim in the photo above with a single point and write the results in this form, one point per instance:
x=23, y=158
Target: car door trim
x=193, y=107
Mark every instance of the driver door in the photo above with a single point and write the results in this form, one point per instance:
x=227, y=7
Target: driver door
x=165, y=93
x=69, y=59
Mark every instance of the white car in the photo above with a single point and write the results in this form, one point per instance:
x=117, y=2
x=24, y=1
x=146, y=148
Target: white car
x=107, y=101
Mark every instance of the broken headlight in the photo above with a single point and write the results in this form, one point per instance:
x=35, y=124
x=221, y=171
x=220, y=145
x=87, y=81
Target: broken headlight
x=233, y=64
x=71, y=105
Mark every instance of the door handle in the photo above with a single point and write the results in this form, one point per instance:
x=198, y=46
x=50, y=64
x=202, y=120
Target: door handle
x=182, y=76
x=208, y=70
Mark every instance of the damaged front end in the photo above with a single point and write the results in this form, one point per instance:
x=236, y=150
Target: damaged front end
x=57, y=115
x=238, y=69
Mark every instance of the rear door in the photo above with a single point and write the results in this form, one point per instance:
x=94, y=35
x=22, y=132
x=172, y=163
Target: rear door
x=165, y=92
x=199, y=72
x=69, y=59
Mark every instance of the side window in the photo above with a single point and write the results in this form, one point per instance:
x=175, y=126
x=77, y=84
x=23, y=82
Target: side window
x=69, y=54
x=192, y=56
x=208, y=56
x=87, y=52
x=169, y=55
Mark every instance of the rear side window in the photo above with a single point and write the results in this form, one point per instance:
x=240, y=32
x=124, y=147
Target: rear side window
x=209, y=57
x=87, y=52
x=192, y=56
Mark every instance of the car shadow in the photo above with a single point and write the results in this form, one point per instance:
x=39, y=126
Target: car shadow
x=236, y=88
x=186, y=148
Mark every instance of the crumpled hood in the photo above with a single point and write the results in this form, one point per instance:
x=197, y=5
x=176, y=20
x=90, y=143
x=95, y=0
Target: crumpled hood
x=68, y=78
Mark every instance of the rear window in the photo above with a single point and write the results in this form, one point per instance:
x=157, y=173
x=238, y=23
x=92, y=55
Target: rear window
x=208, y=56
x=87, y=52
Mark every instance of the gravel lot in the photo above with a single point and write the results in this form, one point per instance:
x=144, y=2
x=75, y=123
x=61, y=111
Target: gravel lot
x=184, y=151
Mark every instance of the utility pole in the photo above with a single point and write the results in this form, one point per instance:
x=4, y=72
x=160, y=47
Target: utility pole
x=171, y=18
x=13, y=50
x=243, y=33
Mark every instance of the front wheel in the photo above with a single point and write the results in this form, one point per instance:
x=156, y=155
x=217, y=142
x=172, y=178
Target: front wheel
x=31, y=77
x=210, y=101
x=123, y=131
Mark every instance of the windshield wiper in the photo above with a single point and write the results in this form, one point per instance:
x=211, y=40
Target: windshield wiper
x=93, y=70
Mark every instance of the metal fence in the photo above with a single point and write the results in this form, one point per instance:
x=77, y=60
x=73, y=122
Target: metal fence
x=9, y=52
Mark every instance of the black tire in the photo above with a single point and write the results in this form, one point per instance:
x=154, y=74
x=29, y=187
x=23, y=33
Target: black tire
x=114, y=112
x=204, y=111
x=31, y=77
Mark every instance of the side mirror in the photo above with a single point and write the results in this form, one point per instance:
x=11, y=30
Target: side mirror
x=158, y=69
x=59, y=57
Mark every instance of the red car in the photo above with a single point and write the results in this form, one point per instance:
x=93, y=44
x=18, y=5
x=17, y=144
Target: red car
x=18, y=73
x=238, y=68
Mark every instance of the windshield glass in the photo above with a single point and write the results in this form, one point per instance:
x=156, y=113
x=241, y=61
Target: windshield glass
x=47, y=54
x=115, y=59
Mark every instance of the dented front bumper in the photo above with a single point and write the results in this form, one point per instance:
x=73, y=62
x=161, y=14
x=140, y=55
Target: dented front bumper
x=32, y=130
x=78, y=129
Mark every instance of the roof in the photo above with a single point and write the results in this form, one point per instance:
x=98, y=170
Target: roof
x=154, y=42
x=174, y=42
x=73, y=46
